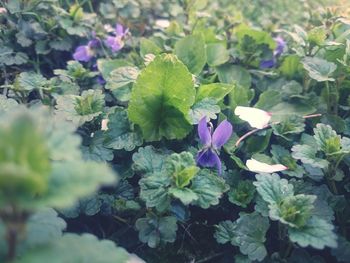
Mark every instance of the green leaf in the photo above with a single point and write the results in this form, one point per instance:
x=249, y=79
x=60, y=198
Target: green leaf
x=319, y=69
x=73, y=248
x=290, y=65
x=317, y=36
x=30, y=81
x=283, y=156
x=316, y=233
x=42, y=227
x=121, y=134
x=7, y=104
x=154, y=191
x=260, y=37
x=191, y=51
x=148, y=160
x=293, y=210
x=250, y=234
x=327, y=139
x=242, y=194
x=233, y=74
x=147, y=46
x=185, y=195
x=342, y=252
x=257, y=144
x=106, y=66
x=272, y=188
x=217, y=54
x=121, y=77
x=81, y=109
x=217, y=91
x=161, y=99
x=8, y=57
x=155, y=230
x=209, y=188
x=307, y=154
x=182, y=168
x=206, y=107
x=290, y=125
x=225, y=232
x=95, y=150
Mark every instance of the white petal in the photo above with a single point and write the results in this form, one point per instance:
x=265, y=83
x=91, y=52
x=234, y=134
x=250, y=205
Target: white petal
x=259, y=167
x=3, y=10
x=104, y=124
x=255, y=117
x=163, y=23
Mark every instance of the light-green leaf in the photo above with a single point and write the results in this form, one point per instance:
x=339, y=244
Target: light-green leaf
x=319, y=69
x=161, y=99
x=206, y=107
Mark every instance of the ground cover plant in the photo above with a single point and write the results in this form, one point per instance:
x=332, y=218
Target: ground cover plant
x=174, y=131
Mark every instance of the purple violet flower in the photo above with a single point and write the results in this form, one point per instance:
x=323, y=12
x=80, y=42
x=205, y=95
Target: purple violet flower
x=209, y=155
x=270, y=63
x=116, y=42
x=86, y=52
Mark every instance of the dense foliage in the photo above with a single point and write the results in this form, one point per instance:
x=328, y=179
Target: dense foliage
x=179, y=131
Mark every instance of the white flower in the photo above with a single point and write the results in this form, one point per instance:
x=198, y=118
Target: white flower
x=104, y=124
x=259, y=167
x=163, y=23
x=255, y=117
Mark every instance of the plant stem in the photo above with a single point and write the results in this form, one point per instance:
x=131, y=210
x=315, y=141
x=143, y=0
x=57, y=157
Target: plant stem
x=328, y=99
x=269, y=126
x=11, y=238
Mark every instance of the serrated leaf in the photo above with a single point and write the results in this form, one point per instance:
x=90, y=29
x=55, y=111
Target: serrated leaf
x=327, y=139
x=316, y=233
x=155, y=230
x=7, y=104
x=8, y=57
x=191, y=51
x=307, y=154
x=290, y=125
x=148, y=160
x=272, y=188
x=242, y=194
x=73, y=248
x=293, y=210
x=121, y=77
x=225, y=232
x=209, y=188
x=81, y=109
x=206, y=107
x=319, y=69
x=121, y=134
x=250, y=234
x=283, y=156
x=30, y=81
x=185, y=195
x=95, y=150
x=161, y=99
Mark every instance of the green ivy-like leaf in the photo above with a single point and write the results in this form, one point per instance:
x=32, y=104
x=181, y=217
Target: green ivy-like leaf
x=217, y=91
x=272, y=188
x=95, y=149
x=161, y=99
x=121, y=134
x=242, y=194
x=283, y=156
x=327, y=139
x=225, y=232
x=316, y=233
x=73, y=248
x=148, y=160
x=319, y=69
x=155, y=230
x=121, y=77
x=7, y=104
x=291, y=125
x=209, y=188
x=30, y=81
x=185, y=195
x=81, y=109
x=307, y=154
x=206, y=107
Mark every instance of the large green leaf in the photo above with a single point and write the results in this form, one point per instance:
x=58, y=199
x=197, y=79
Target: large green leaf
x=317, y=233
x=217, y=54
x=72, y=248
x=161, y=99
x=191, y=51
x=319, y=69
x=216, y=91
x=148, y=160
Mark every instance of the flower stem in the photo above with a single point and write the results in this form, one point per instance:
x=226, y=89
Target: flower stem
x=242, y=138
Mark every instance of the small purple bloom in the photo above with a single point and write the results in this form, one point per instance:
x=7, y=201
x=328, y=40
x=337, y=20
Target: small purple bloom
x=209, y=155
x=270, y=63
x=116, y=42
x=86, y=52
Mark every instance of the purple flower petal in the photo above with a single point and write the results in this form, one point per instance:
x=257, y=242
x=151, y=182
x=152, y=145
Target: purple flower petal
x=208, y=158
x=222, y=134
x=281, y=44
x=203, y=132
x=83, y=53
x=119, y=30
x=268, y=63
x=114, y=43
